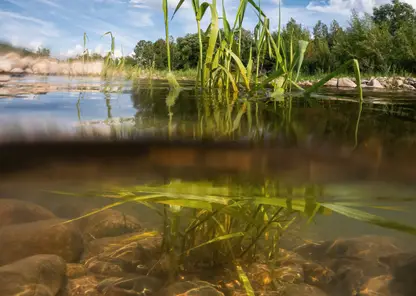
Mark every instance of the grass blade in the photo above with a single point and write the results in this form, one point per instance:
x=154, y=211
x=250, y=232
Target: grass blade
x=369, y=218
x=217, y=239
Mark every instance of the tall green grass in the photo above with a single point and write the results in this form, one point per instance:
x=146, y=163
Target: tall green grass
x=222, y=66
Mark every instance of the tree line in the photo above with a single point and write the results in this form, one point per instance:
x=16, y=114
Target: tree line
x=384, y=42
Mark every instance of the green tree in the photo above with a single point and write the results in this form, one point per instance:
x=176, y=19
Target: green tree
x=144, y=53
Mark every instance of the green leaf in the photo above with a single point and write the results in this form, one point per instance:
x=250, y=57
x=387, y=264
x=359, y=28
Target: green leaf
x=369, y=218
x=217, y=239
x=176, y=9
x=230, y=76
x=202, y=9
x=242, y=69
x=244, y=279
x=186, y=203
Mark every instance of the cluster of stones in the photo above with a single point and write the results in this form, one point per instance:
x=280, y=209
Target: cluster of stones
x=399, y=83
x=14, y=64
x=110, y=253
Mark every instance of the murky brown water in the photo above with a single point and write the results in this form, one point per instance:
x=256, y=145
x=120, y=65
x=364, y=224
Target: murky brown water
x=337, y=177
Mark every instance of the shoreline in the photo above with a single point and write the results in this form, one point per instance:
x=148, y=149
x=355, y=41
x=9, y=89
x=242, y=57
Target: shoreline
x=14, y=66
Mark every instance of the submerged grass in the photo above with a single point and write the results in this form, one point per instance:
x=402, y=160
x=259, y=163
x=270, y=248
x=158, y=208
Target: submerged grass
x=207, y=225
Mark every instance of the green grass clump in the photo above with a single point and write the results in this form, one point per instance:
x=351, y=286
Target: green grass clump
x=207, y=225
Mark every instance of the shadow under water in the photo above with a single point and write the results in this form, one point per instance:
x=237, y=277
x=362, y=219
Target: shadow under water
x=180, y=192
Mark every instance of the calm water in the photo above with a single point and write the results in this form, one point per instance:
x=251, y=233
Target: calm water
x=362, y=157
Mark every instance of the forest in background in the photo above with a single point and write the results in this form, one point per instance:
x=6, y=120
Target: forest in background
x=384, y=42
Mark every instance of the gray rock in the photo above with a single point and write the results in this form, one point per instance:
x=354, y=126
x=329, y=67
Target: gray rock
x=40, y=275
x=346, y=82
x=374, y=83
x=108, y=223
x=40, y=237
x=14, y=211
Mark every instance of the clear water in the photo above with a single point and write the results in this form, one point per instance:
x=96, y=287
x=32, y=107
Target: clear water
x=360, y=155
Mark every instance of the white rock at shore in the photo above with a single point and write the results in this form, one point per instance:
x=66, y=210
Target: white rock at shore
x=14, y=64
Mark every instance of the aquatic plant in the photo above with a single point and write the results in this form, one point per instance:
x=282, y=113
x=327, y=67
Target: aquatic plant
x=223, y=66
x=171, y=78
x=230, y=223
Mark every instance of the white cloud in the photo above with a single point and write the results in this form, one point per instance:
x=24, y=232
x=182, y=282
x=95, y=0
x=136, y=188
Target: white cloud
x=346, y=6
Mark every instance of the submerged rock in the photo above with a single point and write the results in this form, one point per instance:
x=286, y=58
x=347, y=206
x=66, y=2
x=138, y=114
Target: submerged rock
x=74, y=270
x=403, y=269
x=139, y=285
x=40, y=275
x=123, y=254
x=41, y=237
x=83, y=286
x=190, y=288
x=353, y=261
x=377, y=286
x=317, y=275
x=108, y=223
x=364, y=247
x=14, y=211
x=302, y=290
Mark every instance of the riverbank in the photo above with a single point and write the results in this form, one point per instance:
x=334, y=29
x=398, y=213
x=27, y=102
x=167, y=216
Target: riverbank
x=12, y=65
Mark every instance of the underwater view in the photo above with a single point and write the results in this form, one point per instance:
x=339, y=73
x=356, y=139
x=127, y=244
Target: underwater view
x=219, y=148
x=133, y=188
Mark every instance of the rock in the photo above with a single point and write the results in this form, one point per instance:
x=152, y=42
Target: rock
x=374, y=83
x=317, y=275
x=188, y=288
x=14, y=211
x=289, y=274
x=364, y=247
x=4, y=78
x=332, y=83
x=353, y=261
x=41, y=67
x=108, y=223
x=40, y=275
x=17, y=71
x=74, y=270
x=403, y=268
x=28, y=71
x=302, y=290
x=398, y=83
x=125, y=253
x=306, y=83
x=346, y=82
x=83, y=286
x=139, y=285
x=5, y=65
x=287, y=257
x=40, y=237
x=377, y=286
x=408, y=87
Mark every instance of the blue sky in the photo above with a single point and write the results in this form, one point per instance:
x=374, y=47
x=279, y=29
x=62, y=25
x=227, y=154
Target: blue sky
x=60, y=24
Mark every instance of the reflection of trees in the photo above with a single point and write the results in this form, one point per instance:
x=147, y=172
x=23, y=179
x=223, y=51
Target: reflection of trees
x=292, y=122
